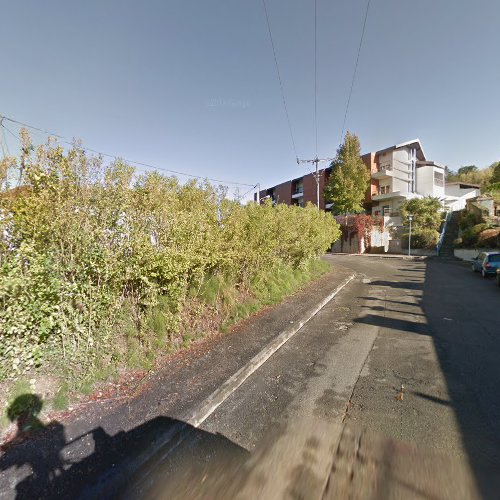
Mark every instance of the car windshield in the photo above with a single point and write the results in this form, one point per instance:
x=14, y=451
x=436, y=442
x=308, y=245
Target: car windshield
x=494, y=258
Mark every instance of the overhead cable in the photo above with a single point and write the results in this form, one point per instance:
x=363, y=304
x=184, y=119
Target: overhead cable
x=280, y=81
x=108, y=155
x=240, y=197
x=355, y=71
x=316, y=75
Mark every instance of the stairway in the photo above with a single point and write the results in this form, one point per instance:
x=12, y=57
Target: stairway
x=451, y=234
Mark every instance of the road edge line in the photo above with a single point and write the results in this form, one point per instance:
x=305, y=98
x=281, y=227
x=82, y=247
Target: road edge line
x=213, y=401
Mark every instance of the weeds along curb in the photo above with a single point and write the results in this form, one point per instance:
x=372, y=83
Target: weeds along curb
x=166, y=444
x=231, y=384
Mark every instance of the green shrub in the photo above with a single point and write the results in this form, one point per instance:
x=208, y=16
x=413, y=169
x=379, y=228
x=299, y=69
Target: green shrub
x=425, y=212
x=470, y=235
x=421, y=238
x=469, y=219
x=97, y=263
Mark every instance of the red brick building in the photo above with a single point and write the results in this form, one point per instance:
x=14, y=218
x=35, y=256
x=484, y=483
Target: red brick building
x=302, y=190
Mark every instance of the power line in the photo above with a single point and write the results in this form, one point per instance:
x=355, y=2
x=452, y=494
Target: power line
x=8, y=130
x=239, y=198
x=355, y=71
x=108, y=155
x=3, y=142
x=316, y=74
x=279, y=80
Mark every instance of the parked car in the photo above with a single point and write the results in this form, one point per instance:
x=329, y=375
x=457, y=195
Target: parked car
x=498, y=276
x=486, y=263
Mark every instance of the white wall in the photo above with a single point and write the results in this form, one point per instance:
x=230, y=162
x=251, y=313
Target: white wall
x=401, y=170
x=426, y=185
x=458, y=203
x=466, y=253
x=455, y=190
x=425, y=180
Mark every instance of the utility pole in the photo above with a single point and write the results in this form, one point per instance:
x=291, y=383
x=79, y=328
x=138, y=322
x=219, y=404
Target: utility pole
x=316, y=174
x=410, y=218
x=3, y=142
x=258, y=193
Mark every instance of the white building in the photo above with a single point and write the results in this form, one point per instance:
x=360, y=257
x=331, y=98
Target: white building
x=403, y=172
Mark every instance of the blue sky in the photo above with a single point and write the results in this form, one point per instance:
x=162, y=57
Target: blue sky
x=191, y=85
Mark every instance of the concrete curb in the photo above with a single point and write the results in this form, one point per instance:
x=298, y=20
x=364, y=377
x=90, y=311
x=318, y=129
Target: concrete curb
x=166, y=444
x=390, y=256
x=231, y=384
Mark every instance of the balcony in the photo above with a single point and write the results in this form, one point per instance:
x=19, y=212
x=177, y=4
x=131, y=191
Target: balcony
x=386, y=195
x=298, y=194
x=382, y=173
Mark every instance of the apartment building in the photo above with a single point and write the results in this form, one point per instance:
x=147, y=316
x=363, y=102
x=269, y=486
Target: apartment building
x=403, y=172
x=397, y=173
x=303, y=189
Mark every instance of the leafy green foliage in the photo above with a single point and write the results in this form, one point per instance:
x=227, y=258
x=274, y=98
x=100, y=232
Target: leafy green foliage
x=469, y=219
x=470, y=236
x=468, y=169
x=425, y=212
x=348, y=182
x=97, y=263
x=495, y=177
x=473, y=175
x=421, y=238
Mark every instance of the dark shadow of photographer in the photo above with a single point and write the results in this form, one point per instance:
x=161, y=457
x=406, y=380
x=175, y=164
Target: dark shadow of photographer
x=58, y=468
x=44, y=462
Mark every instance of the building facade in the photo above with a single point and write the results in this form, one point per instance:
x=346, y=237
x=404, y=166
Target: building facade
x=397, y=173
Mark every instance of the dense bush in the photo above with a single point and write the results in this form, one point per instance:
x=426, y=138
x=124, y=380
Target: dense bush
x=471, y=234
x=87, y=251
x=425, y=212
x=421, y=238
x=469, y=219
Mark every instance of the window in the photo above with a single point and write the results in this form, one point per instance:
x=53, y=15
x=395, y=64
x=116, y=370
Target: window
x=438, y=178
x=386, y=210
x=298, y=187
x=385, y=189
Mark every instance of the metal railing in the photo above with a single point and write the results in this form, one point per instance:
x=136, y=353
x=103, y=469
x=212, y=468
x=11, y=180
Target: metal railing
x=384, y=168
x=443, y=232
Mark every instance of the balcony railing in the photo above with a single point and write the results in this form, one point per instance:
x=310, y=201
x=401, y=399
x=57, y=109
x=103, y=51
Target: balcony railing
x=385, y=169
x=383, y=190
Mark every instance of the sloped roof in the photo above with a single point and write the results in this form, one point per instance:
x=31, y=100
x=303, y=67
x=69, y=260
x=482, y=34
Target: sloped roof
x=414, y=142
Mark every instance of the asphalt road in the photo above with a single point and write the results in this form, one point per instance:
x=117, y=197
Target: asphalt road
x=428, y=330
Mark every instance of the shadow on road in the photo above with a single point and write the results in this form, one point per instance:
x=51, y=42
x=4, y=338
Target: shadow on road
x=461, y=315
x=40, y=463
x=394, y=323
x=463, y=318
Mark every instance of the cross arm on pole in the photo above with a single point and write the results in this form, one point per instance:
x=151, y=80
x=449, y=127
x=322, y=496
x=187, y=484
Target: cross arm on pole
x=316, y=173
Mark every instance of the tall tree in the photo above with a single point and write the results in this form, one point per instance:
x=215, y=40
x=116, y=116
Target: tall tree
x=468, y=169
x=496, y=172
x=348, y=182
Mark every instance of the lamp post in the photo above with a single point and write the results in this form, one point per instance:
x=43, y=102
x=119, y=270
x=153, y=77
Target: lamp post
x=410, y=218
